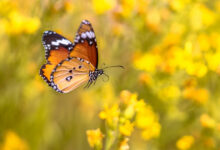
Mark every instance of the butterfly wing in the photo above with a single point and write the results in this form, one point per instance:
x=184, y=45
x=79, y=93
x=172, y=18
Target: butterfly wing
x=69, y=65
x=85, y=44
x=70, y=74
x=57, y=48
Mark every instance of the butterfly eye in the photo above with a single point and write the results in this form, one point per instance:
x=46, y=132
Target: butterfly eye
x=69, y=78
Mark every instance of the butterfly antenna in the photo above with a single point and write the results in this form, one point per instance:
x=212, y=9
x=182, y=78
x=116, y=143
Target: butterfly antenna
x=117, y=66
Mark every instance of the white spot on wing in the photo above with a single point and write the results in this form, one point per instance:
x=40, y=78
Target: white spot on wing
x=83, y=35
x=85, y=22
x=58, y=42
x=89, y=35
x=93, y=34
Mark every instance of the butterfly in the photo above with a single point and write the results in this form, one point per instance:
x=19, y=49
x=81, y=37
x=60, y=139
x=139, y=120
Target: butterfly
x=70, y=65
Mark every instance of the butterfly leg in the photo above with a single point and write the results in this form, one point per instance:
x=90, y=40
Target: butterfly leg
x=88, y=84
x=94, y=82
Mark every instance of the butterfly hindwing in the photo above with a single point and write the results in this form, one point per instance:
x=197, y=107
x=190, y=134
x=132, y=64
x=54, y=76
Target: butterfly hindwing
x=85, y=44
x=70, y=74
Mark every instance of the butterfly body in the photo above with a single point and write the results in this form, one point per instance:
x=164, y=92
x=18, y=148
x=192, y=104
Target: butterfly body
x=69, y=65
x=93, y=75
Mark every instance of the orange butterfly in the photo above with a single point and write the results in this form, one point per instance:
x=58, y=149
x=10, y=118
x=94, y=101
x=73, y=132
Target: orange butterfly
x=70, y=65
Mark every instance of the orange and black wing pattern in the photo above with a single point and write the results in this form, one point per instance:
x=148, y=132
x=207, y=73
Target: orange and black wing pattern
x=85, y=44
x=69, y=65
x=57, y=49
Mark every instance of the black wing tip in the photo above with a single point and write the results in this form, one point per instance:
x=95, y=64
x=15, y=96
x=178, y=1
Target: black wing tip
x=47, y=32
x=85, y=21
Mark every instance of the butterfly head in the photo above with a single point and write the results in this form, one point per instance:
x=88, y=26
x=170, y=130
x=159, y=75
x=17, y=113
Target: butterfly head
x=94, y=75
x=100, y=71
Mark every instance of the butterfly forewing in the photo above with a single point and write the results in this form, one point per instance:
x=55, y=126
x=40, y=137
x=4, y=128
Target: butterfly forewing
x=57, y=49
x=53, y=41
x=85, y=44
x=69, y=74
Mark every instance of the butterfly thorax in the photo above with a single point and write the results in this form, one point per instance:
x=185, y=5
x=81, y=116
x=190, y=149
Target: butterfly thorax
x=93, y=75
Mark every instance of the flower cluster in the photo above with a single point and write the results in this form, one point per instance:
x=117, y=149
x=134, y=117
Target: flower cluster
x=14, y=22
x=121, y=120
x=171, y=53
x=13, y=141
x=176, y=54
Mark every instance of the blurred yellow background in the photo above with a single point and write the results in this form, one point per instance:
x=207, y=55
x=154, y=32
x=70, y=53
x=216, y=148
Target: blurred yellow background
x=166, y=98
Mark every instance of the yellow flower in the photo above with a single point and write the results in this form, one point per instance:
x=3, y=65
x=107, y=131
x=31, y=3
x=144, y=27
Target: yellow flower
x=95, y=138
x=31, y=25
x=215, y=40
x=19, y=24
x=125, y=95
x=124, y=144
x=129, y=111
x=177, y=5
x=170, y=92
x=147, y=62
x=13, y=142
x=204, y=43
x=102, y=6
x=185, y=142
x=146, y=117
x=127, y=7
x=129, y=101
x=15, y=24
x=146, y=78
x=111, y=115
x=142, y=6
x=201, y=16
x=198, y=95
x=152, y=131
x=153, y=19
x=147, y=120
x=213, y=60
x=198, y=69
x=177, y=28
x=206, y=121
x=140, y=106
x=127, y=128
x=217, y=5
x=128, y=97
x=68, y=6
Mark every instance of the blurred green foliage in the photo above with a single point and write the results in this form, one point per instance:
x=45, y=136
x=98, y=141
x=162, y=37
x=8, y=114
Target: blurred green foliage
x=171, y=52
